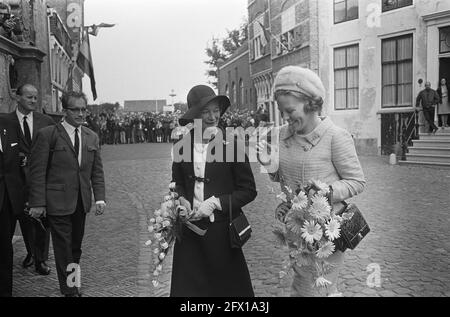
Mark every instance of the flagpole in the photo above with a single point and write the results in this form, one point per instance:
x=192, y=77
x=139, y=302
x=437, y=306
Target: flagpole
x=271, y=35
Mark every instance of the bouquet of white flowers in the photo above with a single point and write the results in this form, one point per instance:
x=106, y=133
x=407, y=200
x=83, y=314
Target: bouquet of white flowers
x=166, y=227
x=308, y=227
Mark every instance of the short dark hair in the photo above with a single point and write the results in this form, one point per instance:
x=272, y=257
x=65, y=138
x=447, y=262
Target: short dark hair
x=311, y=105
x=67, y=96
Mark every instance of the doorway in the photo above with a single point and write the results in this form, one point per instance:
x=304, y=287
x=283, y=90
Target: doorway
x=444, y=72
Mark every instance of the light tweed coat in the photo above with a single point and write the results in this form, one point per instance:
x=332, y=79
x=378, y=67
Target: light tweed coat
x=328, y=155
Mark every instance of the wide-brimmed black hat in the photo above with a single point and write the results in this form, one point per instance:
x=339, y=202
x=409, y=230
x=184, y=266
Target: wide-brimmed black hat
x=198, y=98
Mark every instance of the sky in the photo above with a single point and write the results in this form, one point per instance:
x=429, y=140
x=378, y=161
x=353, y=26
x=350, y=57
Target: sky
x=156, y=45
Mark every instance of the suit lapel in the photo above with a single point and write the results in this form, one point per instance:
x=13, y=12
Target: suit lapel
x=66, y=137
x=17, y=123
x=36, y=124
x=84, y=145
x=4, y=141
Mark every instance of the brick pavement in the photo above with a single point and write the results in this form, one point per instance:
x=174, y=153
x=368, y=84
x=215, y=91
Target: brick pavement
x=406, y=207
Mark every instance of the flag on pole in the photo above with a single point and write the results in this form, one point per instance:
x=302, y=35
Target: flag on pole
x=84, y=62
x=93, y=30
x=267, y=36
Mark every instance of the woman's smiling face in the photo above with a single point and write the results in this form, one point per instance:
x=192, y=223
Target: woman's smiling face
x=210, y=115
x=293, y=111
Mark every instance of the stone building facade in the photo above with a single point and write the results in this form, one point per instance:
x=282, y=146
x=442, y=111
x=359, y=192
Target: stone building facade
x=235, y=80
x=23, y=53
x=375, y=57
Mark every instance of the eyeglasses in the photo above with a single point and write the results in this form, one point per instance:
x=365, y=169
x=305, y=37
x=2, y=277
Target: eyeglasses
x=75, y=110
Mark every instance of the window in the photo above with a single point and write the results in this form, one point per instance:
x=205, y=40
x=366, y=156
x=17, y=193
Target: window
x=246, y=96
x=444, y=38
x=233, y=93
x=241, y=85
x=258, y=41
x=389, y=5
x=257, y=47
x=345, y=10
x=397, y=68
x=346, y=77
x=286, y=38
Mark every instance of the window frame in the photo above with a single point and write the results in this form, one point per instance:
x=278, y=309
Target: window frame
x=346, y=68
x=440, y=39
x=397, y=62
x=383, y=7
x=346, y=12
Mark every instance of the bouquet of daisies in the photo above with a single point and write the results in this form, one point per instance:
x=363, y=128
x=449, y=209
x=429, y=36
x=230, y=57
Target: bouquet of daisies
x=166, y=227
x=308, y=227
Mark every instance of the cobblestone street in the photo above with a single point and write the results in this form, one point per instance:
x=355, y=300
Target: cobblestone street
x=408, y=209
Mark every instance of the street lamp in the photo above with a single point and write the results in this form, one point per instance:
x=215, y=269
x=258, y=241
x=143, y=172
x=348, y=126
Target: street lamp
x=173, y=95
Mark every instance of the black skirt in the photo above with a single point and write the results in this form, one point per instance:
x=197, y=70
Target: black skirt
x=207, y=266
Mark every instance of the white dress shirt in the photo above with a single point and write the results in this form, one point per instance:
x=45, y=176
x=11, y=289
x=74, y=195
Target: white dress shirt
x=71, y=132
x=20, y=116
x=200, y=154
x=1, y=148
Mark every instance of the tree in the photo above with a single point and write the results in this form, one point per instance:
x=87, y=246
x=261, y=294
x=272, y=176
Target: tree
x=222, y=49
x=216, y=56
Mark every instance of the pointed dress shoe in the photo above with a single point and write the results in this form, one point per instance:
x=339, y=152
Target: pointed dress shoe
x=42, y=268
x=28, y=262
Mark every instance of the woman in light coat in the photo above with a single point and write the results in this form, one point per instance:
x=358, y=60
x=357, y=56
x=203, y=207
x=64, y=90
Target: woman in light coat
x=313, y=148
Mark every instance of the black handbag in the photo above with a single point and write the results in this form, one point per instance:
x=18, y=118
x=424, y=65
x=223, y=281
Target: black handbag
x=354, y=227
x=240, y=229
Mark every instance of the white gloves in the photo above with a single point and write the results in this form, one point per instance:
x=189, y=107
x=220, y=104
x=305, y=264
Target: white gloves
x=207, y=208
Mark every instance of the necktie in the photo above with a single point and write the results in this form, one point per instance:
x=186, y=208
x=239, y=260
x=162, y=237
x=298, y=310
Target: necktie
x=26, y=130
x=77, y=143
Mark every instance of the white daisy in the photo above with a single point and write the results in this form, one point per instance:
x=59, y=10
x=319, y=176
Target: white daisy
x=320, y=208
x=322, y=282
x=299, y=202
x=311, y=231
x=333, y=230
x=325, y=250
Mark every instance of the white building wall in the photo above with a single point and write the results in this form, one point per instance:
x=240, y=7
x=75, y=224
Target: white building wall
x=368, y=31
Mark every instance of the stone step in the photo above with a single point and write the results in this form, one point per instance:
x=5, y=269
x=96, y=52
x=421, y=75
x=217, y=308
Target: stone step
x=429, y=150
x=437, y=136
x=428, y=164
x=428, y=158
x=432, y=143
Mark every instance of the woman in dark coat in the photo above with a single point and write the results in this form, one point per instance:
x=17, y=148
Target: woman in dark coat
x=207, y=266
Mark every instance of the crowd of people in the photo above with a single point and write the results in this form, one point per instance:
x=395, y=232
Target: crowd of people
x=130, y=128
x=118, y=127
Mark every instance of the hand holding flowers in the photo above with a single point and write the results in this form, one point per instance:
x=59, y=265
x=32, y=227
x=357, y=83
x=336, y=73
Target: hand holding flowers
x=308, y=227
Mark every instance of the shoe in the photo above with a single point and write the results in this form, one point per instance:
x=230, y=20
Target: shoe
x=42, y=268
x=435, y=130
x=28, y=262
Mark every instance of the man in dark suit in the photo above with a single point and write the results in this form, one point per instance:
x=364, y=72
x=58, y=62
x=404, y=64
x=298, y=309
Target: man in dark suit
x=65, y=166
x=11, y=199
x=29, y=122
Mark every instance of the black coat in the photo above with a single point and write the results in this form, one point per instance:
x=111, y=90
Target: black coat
x=40, y=121
x=207, y=266
x=10, y=172
x=439, y=91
